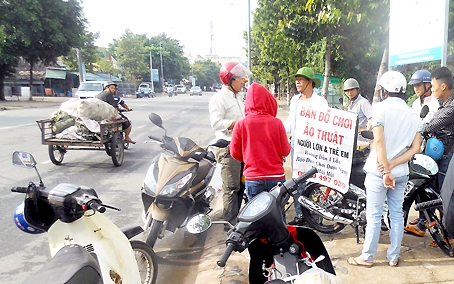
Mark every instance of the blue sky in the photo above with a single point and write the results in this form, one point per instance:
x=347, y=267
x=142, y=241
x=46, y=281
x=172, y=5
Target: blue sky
x=187, y=21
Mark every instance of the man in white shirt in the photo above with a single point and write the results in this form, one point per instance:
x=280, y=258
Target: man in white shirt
x=422, y=87
x=226, y=107
x=305, y=82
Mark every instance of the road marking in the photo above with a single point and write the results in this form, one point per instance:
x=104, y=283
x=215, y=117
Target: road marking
x=141, y=126
x=10, y=127
x=45, y=162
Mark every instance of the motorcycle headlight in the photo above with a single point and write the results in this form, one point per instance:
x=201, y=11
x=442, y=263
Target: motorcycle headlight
x=259, y=205
x=171, y=190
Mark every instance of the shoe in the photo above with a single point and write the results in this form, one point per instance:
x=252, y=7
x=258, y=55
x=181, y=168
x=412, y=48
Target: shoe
x=297, y=221
x=413, y=229
x=434, y=244
x=414, y=221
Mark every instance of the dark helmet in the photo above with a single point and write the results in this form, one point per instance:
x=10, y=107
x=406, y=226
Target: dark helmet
x=420, y=76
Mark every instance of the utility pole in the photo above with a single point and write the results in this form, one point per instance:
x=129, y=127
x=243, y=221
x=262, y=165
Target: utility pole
x=151, y=73
x=162, y=72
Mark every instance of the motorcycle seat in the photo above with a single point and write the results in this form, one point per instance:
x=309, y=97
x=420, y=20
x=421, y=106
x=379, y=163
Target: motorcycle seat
x=71, y=264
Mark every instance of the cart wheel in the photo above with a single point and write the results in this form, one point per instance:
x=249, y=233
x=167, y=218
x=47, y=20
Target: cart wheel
x=56, y=154
x=117, y=149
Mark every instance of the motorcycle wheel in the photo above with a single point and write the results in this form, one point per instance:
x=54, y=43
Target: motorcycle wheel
x=439, y=233
x=56, y=154
x=155, y=229
x=117, y=149
x=316, y=192
x=146, y=262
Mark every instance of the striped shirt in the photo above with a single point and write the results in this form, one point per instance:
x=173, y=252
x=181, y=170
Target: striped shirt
x=443, y=120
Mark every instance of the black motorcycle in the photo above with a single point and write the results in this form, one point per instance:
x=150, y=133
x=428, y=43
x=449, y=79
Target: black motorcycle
x=279, y=252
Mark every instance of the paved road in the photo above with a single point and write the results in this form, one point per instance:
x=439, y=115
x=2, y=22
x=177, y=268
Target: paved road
x=23, y=254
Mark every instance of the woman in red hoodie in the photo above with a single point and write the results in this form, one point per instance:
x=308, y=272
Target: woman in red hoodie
x=260, y=141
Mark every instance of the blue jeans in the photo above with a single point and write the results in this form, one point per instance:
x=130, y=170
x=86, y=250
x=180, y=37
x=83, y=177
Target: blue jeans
x=376, y=196
x=254, y=187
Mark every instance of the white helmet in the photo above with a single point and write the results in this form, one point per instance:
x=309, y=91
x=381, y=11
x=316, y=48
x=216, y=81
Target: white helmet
x=393, y=82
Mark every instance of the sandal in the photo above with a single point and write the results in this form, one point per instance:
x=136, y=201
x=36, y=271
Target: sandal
x=394, y=264
x=414, y=222
x=354, y=261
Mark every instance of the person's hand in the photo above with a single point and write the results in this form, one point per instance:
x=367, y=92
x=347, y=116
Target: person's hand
x=389, y=181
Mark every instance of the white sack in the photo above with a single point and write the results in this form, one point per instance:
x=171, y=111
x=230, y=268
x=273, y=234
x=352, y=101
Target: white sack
x=92, y=108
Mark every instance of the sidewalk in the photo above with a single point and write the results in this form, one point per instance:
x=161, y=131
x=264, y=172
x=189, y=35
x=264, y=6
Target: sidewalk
x=419, y=263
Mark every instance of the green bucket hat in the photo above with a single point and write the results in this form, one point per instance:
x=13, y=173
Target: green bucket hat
x=309, y=74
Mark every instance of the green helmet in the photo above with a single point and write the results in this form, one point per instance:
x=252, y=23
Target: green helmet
x=351, y=83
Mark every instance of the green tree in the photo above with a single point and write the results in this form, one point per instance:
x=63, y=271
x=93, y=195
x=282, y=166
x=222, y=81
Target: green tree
x=88, y=50
x=206, y=73
x=42, y=29
x=130, y=51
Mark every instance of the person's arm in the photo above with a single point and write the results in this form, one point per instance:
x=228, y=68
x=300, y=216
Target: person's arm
x=285, y=149
x=444, y=117
x=379, y=142
x=406, y=156
x=236, y=145
x=288, y=124
x=217, y=116
x=126, y=106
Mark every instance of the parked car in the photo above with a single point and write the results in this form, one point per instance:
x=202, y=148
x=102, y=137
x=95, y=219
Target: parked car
x=195, y=91
x=90, y=89
x=145, y=90
x=181, y=89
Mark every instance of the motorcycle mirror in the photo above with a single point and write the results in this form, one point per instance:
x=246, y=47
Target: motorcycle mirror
x=424, y=111
x=367, y=134
x=156, y=120
x=23, y=159
x=221, y=143
x=198, y=224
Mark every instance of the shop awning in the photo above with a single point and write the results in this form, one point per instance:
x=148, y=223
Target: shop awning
x=55, y=74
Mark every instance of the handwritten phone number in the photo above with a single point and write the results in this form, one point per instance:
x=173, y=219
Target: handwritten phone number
x=327, y=179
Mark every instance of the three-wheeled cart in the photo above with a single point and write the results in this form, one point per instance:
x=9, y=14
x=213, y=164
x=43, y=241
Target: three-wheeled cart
x=110, y=140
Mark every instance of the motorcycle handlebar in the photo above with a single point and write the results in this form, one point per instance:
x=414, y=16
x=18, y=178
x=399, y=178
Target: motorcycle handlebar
x=19, y=189
x=302, y=178
x=96, y=206
x=428, y=204
x=228, y=251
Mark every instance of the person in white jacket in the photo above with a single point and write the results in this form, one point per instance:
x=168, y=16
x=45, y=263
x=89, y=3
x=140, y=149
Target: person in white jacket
x=226, y=107
x=305, y=82
x=422, y=87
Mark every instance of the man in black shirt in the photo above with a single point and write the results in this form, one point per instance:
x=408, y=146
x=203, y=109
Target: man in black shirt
x=108, y=96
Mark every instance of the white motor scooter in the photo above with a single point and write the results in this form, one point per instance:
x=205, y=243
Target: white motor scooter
x=71, y=215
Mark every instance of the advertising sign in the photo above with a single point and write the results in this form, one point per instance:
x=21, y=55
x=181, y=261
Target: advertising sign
x=324, y=138
x=417, y=31
x=155, y=75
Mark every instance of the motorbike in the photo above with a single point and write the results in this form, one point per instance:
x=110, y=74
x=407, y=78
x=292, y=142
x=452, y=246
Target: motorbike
x=85, y=246
x=328, y=210
x=176, y=186
x=279, y=253
x=422, y=188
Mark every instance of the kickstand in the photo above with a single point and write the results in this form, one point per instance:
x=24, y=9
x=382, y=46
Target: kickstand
x=357, y=234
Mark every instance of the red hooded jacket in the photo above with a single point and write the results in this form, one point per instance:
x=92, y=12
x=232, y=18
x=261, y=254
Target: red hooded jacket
x=259, y=140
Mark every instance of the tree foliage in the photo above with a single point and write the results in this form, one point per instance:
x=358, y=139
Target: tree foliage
x=206, y=73
x=40, y=30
